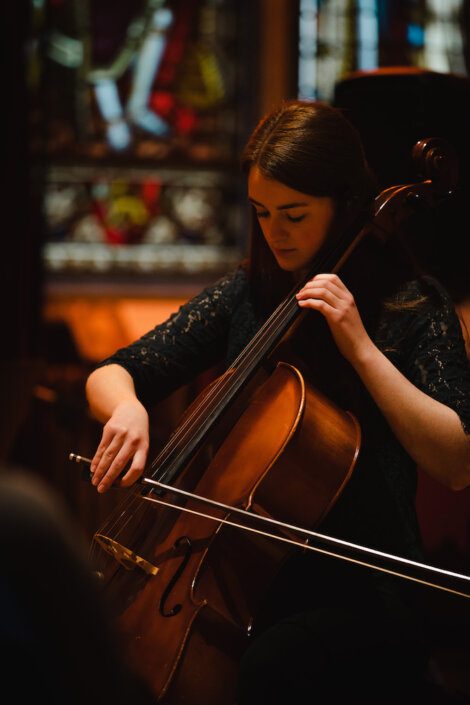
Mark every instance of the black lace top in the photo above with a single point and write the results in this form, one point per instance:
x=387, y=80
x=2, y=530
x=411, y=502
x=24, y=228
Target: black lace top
x=423, y=340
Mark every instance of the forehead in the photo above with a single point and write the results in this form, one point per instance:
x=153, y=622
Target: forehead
x=266, y=190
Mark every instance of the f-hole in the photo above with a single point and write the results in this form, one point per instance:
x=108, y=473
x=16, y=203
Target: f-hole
x=182, y=541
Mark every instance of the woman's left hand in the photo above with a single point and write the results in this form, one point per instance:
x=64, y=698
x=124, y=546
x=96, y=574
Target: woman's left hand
x=327, y=294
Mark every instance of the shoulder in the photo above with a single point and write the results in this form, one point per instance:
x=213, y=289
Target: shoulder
x=423, y=337
x=433, y=309
x=422, y=293
x=228, y=289
x=419, y=300
x=215, y=300
x=420, y=311
x=235, y=282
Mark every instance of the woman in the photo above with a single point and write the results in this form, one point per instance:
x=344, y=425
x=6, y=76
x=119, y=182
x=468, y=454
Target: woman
x=379, y=340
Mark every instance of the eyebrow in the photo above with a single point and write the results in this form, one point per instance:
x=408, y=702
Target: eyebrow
x=285, y=206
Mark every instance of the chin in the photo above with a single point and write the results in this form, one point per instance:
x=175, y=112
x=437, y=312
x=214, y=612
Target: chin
x=291, y=266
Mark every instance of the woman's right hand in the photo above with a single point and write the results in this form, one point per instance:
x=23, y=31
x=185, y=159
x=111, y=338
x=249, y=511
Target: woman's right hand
x=125, y=440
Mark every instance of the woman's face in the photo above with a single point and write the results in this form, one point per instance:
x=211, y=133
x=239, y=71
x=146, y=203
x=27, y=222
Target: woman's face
x=293, y=223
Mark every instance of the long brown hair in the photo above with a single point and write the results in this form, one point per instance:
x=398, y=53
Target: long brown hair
x=310, y=147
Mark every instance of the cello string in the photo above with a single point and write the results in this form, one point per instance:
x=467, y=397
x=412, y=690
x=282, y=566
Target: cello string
x=122, y=515
x=115, y=516
x=115, y=523
x=324, y=551
x=120, y=524
x=75, y=457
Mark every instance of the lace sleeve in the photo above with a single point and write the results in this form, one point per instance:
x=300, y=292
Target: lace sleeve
x=192, y=340
x=434, y=353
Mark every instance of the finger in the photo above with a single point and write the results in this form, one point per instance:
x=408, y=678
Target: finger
x=318, y=305
x=333, y=280
x=101, y=462
x=329, y=276
x=323, y=283
x=95, y=461
x=106, y=440
x=323, y=293
x=136, y=469
x=107, y=457
x=113, y=472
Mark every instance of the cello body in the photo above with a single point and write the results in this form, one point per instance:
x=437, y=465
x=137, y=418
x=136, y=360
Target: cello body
x=186, y=620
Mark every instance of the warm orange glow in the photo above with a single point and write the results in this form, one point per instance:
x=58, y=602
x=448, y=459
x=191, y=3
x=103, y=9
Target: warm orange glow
x=101, y=325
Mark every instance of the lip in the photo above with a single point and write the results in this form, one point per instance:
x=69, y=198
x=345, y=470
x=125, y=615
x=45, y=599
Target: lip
x=284, y=250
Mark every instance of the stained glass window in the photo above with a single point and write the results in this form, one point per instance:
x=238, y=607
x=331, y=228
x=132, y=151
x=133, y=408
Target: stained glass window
x=136, y=112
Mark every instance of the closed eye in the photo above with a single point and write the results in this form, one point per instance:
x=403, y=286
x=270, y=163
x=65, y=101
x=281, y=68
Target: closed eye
x=295, y=219
x=262, y=214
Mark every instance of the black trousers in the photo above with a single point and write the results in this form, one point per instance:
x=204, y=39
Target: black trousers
x=333, y=634
x=333, y=656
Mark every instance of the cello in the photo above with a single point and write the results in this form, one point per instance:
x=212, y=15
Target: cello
x=187, y=584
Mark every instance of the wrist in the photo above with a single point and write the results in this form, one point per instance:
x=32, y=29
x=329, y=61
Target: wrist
x=366, y=356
